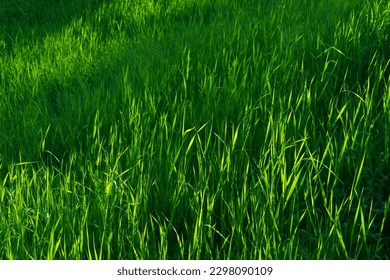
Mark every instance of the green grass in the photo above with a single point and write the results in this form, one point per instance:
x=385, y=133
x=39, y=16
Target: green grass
x=194, y=129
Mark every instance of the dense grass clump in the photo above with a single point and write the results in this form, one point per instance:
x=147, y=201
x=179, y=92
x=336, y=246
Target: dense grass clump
x=186, y=129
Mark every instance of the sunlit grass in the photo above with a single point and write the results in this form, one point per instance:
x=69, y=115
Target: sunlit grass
x=195, y=130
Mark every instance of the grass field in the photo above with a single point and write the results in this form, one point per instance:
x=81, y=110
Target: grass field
x=184, y=129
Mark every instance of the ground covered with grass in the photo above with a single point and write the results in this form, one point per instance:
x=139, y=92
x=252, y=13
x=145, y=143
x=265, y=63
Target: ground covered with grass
x=185, y=129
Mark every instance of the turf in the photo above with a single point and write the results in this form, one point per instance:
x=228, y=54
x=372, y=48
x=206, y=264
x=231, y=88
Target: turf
x=185, y=129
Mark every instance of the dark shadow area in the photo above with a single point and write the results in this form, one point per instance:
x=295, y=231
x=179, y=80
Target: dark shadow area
x=32, y=19
x=65, y=106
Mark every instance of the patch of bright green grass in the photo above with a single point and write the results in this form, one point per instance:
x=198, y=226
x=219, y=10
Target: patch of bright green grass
x=194, y=129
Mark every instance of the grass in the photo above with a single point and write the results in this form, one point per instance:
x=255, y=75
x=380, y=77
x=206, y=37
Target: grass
x=194, y=129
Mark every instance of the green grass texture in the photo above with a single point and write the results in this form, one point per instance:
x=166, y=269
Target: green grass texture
x=194, y=129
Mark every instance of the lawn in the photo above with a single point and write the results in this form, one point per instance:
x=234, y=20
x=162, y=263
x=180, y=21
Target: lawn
x=185, y=129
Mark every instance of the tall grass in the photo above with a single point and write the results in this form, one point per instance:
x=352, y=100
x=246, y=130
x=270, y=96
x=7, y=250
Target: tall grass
x=194, y=129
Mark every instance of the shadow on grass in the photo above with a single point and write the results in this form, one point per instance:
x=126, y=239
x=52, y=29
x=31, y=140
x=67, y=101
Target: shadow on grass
x=32, y=19
x=52, y=102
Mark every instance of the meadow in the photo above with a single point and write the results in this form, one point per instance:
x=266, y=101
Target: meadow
x=184, y=129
